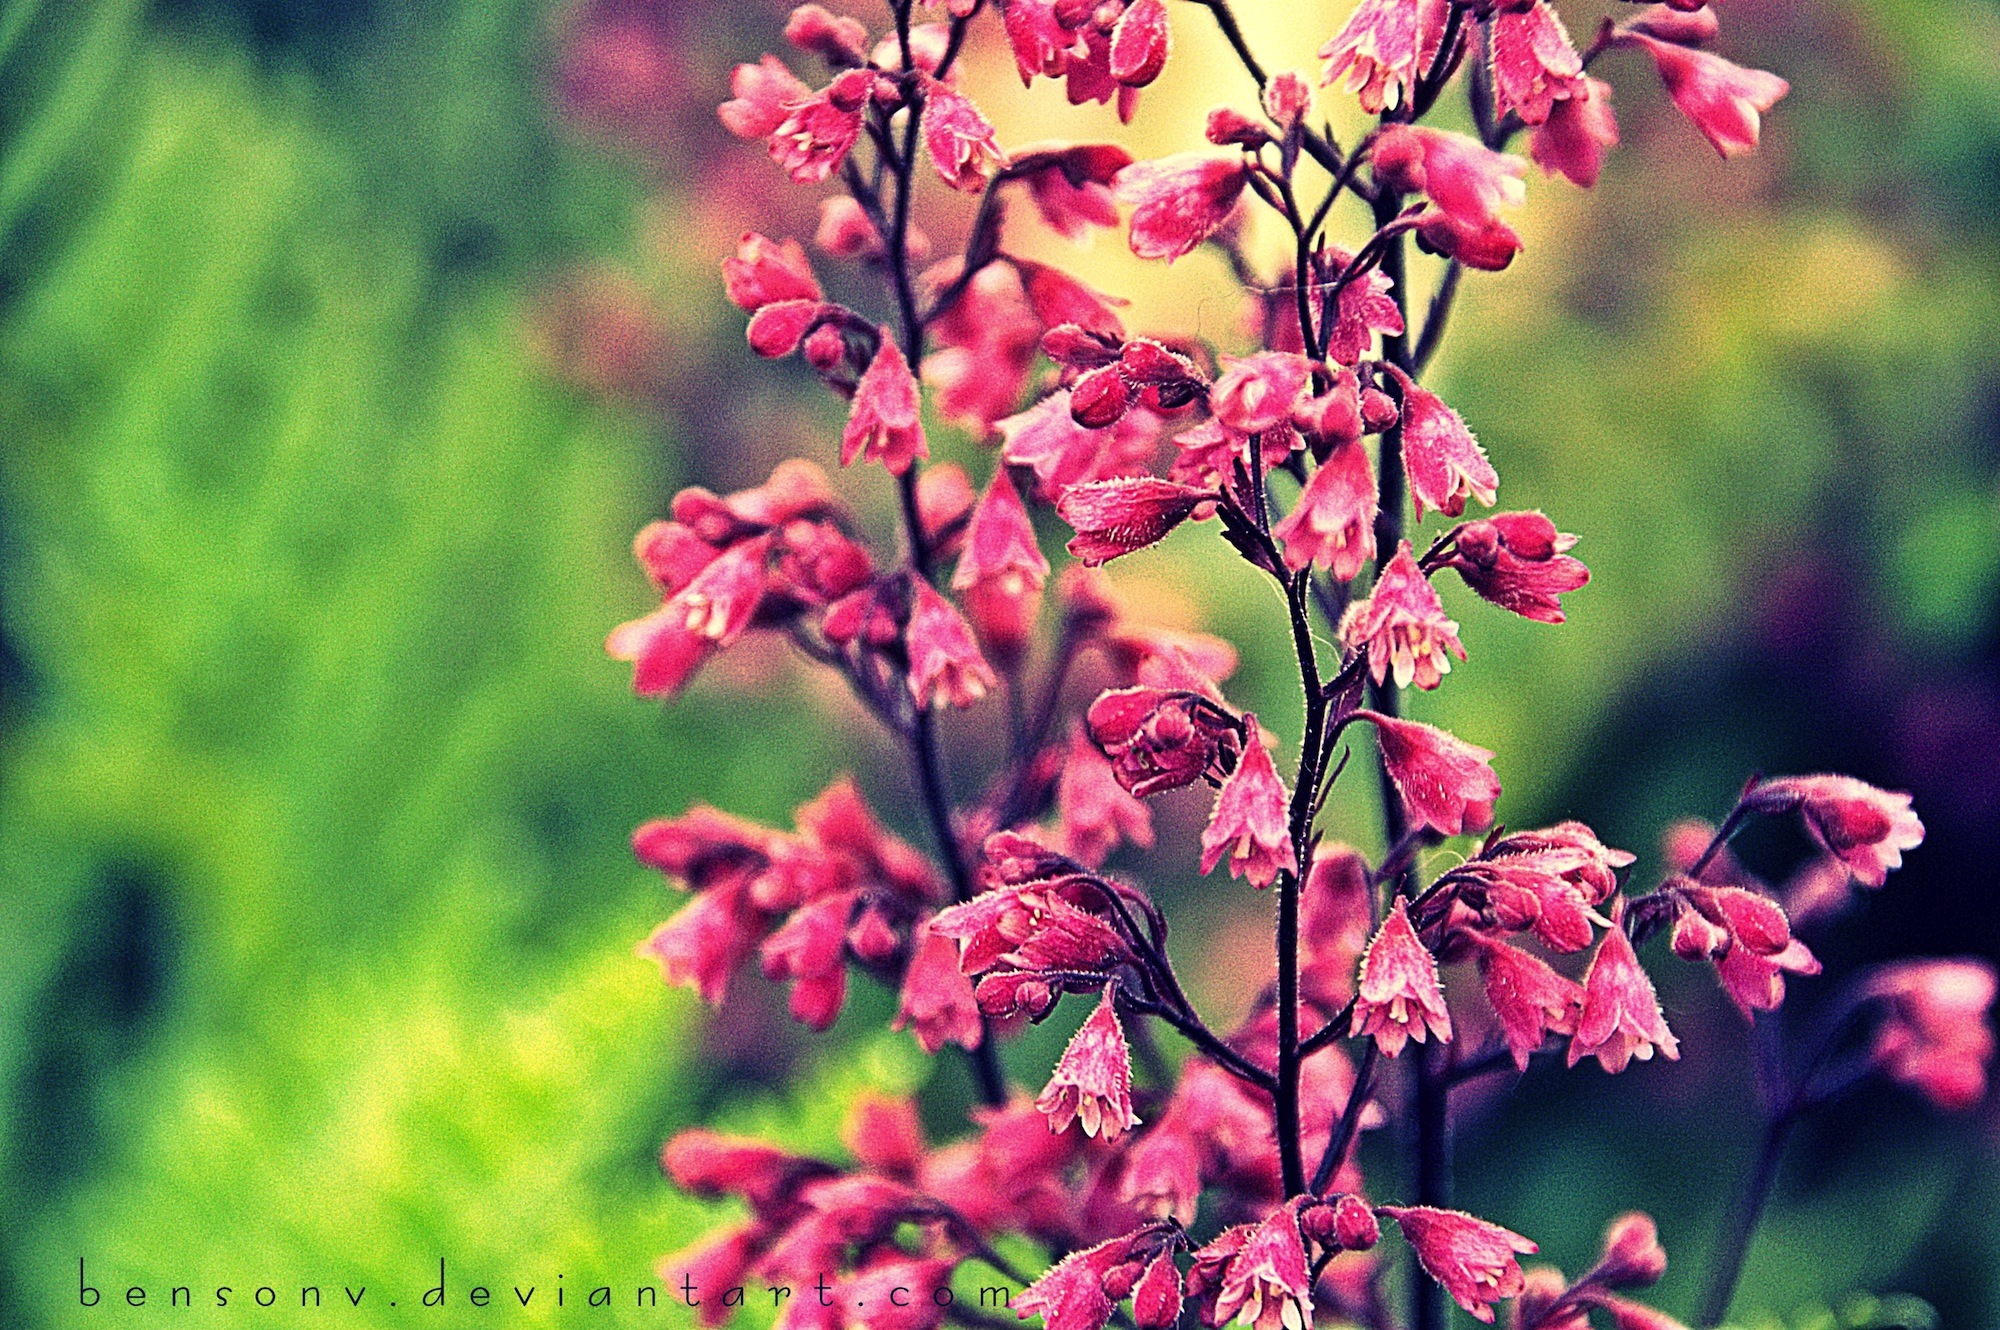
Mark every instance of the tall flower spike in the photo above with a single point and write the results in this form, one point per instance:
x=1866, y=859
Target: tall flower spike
x=1402, y=626
x=1249, y=821
x=1399, y=998
x=1474, y=1260
x=1621, y=1016
x=1445, y=782
x=1092, y=1083
x=883, y=424
x=1333, y=524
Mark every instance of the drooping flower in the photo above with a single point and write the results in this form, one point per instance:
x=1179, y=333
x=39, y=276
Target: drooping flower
x=1520, y=562
x=1096, y=811
x=883, y=424
x=1249, y=823
x=984, y=344
x=1266, y=1285
x=1071, y=1294
x=1257, y=393
x=1179, y=201
x=1114, y=517
x=1002, y=571
x=960, y=140
x=1935, y=1037
x=1070, y=185
x=936, y=1002
x=1445, y=782
x=1156, y=1298
x=1534, y=65
x=1399, y=998
x=1158, y=739
x=763, y=271
x=1383, y=49
x=1531, y=1000
x=1474, y=1260
x=810, y=950
x=1047, y=439
x=1402, y=626
x=1621, y=1016
x=1864, y=827
x=945, y=664
x=760, y=97
x=1445, y=462
x=665, y=653
x=817, y=130
x=701, y=946
x=1724, y=101
x=1468, y=181
x=1333, y=524
x=1092, y=1082
x=1577, y=134
x=1365, y=307
x=1140, y=43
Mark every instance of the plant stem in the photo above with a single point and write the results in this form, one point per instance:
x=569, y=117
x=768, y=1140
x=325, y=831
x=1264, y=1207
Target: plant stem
x=1748, y=1209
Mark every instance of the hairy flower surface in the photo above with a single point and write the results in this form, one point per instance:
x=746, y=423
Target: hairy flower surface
x=1178, y=202
x=1248, y=824
x=1402, y=626
x=1399, y=998
x=1383, y=49
x=883, y=425
x=1445, y=782
x=1865, y=828
x=1333, y=523
x=1621, y=1016
x=1475, y=1261
x=1092, y=1083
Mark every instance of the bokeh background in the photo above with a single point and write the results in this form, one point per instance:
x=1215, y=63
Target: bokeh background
x=344, y=345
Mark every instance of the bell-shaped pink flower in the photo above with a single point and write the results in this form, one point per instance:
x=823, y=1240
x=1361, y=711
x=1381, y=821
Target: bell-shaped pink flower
x=984, y=345
x=1333, y=524
x=1047, y=439
x=945, y=664
x=1249, y=823
x=1520, y=562
x=1577, y=134
x=1865, y=828
x=701, y=946
x=936, y=1002
x=761, y=98
x=1444, y=461
x=1092, y=1082
x=665, y=653
x=1446, y=783
x=838, y=40
x=1267, y=1285
x=959, y=139
x=1114, y=517
x=1383, y=49
x=1072, y=1293
x=1257, y=393
x=1531, y=1000
x=1141, y=43
x=1399, y=998
x=1474, y=1260
x=1365, y=308
x=764, y=270
x=1097, y=812
x=1468, y=181
x=1935, y=1037
x=1621, y=1016
x=810, y=950
x=776, y=329
x=1725, y=101
x=1534, y=65
x=1402, y=626
x=1157, y=739
x=818, y=129
x=1070, y=185
x=1179, y=201
x=883, y=424
x=1002, y=571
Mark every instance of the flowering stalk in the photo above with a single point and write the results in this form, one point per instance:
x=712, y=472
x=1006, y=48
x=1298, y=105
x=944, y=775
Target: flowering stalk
x=1190, y=1184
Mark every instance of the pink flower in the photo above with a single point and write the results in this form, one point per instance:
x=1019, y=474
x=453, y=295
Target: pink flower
x=1865, y=828
x=1723, y=100
x=1520, y=562
x=1365, y=308
x=985, y=345
x=1287, y=99
x=701, y=946
x=1383, y=49
x=719, y=1262
x=1935, y=1036
x=810, y=949
x=776, y=329
x=1621, y=1016
x=1158, y=739
x=1534, y=65
x=945, y=664
x=1633, y=1257
x=819, y=129
x=1445, y=782
x=1445, y=462
x=1092, y=1083
x=1756, y=982
x=1071, y=1294
x=883, y=423
x=1249, y=820
x=1485, y=246
x=1402, y=626
x=765, y=270
x=1179, y=201
x=1156, y=1299
x=936, y=1002
x=1041, y=44
x=1468, y=181
x=1399, y=998
x=761, y=96
x=1266, y=1284
x=1474, y=1260
x=1575, y=137
x=838, y=41
x=664, y=651
x=1257, y=393
x=1531, y=1000
x=1002, y=571
x=958, y=138
x=1071, y=186
x=1140, y=43
x=1333, y=524
x=845, y=229
x=1097, y=812
x=1114, y=517
x=1062, y=453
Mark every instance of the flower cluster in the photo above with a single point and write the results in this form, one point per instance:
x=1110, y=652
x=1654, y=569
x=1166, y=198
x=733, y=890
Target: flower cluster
x=1225, y=1188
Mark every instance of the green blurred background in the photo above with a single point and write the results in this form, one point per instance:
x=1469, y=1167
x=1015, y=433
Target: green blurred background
x=344, y=345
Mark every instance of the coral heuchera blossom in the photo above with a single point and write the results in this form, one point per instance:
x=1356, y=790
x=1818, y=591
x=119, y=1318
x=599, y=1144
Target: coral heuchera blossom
x=1475, y=1261
x=1445, y=782
x=1723, y=100
x=1092, y=1084
x=883, y=425
x=1178, y=202
x=1446, y=464
x=1865, y=828
x=1621, y=1016
x=1248, y=825
x=1385, y=46
x=1534, y=65
x=1402, y=626
x=1935, y=1036
x=1266, y=1285
x=1399, y=998
x=945, y=664
x=1333, y=523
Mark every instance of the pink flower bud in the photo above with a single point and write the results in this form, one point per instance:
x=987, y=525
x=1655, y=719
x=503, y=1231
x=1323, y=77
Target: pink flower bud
x=825, y=349
x=945, y=664
x=1633, y=1257
x=1519, y=561
x=1075, y=347
x=1156, y=1300
x=1399, y=998
x=1402, y=626
x=1383, y=49
x=764, y=270
x=1723, y=100
x=1472, y=1259
x=1099, y=397
x=1444, y=461
x=845, y=230
x=1534, y=65
x=1287, y=98
x=883, y=424
x=1227, y=128
x=1092, y=1083
x=1378, y=410
x=1179, y=201
x=1140, y=43
x=1354, y=1224
x=1445, y=782
x=838, y=41
x=1071, y=1295
x=1249, y=821
x=1257, y=393
x=1114, y=517
x=1333, y=523
x=1485, y=246
x=1575, y=137
x=776, y=328
x=1621, y=1016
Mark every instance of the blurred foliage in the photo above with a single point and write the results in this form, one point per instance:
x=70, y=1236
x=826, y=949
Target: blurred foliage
x=314, y=785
